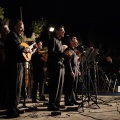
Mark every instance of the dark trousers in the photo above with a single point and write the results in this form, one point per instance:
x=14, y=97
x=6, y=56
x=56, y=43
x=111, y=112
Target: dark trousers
x=41, y=81
x=68, y=88
x=56, y=74
x=14, y=77
x=3, y=86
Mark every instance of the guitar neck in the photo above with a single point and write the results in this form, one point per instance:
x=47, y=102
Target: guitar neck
x=31, y=46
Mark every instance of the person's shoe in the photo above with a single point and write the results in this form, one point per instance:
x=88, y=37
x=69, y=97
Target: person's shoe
x=60, y=106
x=19, y=111
x=77, y=98
x=52, y=108
x=34, y=101
x=75, y=102
x=45, y=103
x=69, y=104
x=12, y=114
x=43, y=99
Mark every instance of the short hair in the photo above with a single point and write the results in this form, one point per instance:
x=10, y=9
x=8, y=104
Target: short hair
x=13, y=23
x=70, y=38
x=58, y=26
x=37, y=40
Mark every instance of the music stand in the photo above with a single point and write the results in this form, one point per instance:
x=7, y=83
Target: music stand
x=89, y=57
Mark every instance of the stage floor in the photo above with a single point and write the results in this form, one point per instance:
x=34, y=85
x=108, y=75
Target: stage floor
x=107, y=107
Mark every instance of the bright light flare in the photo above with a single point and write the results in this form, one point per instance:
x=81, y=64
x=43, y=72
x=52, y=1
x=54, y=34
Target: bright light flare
x=51, y=29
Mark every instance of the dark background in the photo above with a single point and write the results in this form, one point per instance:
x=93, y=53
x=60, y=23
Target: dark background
x=90, y=20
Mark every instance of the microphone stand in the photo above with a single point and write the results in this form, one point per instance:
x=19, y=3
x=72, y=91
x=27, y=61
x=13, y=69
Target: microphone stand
x=88, y=97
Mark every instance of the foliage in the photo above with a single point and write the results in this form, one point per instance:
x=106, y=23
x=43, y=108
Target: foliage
x=1, y=13
x=26, y=39
x=2, y=17
x=5, y=21
x=37, y=26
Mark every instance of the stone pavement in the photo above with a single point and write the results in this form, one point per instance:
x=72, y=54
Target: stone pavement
x=107, y=107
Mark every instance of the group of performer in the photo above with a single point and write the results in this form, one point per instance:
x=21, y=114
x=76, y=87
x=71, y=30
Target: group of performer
x=62, y=62
x=62, y=66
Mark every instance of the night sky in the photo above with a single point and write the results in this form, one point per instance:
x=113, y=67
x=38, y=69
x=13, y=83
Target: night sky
x=96, y=20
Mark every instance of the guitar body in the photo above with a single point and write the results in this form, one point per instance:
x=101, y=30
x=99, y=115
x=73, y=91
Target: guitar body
x=27, y=56
x=44, y=55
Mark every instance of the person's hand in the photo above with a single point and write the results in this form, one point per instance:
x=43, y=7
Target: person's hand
x=79, y=73
x=72, y=74
x=64, y=47
x=27, y=50
x=78, y=52
x=68, y=53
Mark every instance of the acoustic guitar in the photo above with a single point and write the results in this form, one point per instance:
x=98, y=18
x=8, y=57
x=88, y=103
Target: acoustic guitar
x=44, y=54
x=27, y=56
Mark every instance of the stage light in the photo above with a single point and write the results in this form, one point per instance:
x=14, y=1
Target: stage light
x=51, y=29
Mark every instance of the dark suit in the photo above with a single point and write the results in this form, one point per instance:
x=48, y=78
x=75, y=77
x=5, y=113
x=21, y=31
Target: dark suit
x=14, y=69
x=38, y=75
x=56, y=70
x=70, y=83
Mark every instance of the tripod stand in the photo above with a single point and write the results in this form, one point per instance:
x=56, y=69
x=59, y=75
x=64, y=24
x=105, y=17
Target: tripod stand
x=86, y=76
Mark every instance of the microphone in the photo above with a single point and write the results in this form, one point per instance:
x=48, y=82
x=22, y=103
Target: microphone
x=81, y=48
